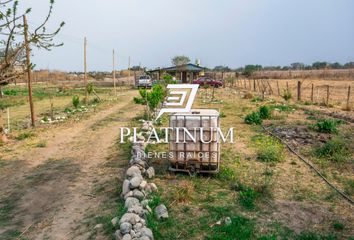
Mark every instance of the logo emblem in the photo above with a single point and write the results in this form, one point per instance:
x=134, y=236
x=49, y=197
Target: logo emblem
x=180, y=98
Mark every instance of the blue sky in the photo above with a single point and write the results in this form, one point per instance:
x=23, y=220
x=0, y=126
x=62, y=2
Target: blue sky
x=219, y=32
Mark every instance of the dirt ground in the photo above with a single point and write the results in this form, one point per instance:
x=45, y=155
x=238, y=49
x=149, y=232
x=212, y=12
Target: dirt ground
x=46, y=192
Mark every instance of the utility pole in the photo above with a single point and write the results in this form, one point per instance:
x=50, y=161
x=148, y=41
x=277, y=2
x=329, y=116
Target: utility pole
x=85, y=69
x=129, y=69
x=114, y=76
x=28, y=63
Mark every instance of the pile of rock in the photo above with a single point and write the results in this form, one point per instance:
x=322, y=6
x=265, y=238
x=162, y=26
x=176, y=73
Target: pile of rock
x=135, y=191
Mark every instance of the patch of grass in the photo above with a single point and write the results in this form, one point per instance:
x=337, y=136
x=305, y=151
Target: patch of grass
x=268, y=149
x=314, y=236
x=348, y=186
x=327, y=126
x=41, y=145
x=247, y=198
x=338, y=226
x=334, y=150
x=253, y=118
x=283, y=107
x=225, y=173
x=265, y=112
x=25, y=135
x=240, y=228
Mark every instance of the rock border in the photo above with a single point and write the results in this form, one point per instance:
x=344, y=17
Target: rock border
x=135, y=192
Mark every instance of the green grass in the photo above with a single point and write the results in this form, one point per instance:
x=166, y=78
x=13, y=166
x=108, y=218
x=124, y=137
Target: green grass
x=334, y=150
x=25, y=135
x=326, y=126
x=268, y=149
x=253, y=118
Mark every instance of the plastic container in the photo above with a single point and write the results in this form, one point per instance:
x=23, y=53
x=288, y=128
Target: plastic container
x=188, y=153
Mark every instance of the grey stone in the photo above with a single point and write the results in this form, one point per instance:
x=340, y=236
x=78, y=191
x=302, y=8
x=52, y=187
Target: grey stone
x=153, y=187
x=150, y=172
x=131, y=201
x=145, y=202
x=129, y=194
x=137, y=210
x=125, y=188
x=142, y=184
x=227, y=221
x=137, y=194
x=147, y=232
x=114, y=221
x=127, y=237
x=118, y=235
x=161, y=211
x=125, y=227
x=132, y=218
x=138, y=226
x=135, y=182
x=98, y=226
x=132, y=171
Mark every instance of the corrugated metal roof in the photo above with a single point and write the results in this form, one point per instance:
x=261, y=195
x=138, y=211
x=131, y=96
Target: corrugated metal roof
x=186, y=67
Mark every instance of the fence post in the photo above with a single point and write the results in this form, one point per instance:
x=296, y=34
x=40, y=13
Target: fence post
x=254, y=84
x=299, y=90
x=348, y=99
x=287, y=86
x=312, y=87
x=327, y=99
x=278, y=88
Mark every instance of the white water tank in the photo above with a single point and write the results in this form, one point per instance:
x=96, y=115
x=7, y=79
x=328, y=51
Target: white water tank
x=194, y=141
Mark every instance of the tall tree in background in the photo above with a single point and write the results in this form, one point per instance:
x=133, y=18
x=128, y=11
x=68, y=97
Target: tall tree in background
x=12, y=44
x=180, y=60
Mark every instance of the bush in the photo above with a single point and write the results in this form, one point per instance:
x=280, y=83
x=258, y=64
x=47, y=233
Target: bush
x=335, y=150
x=76, y=101
x=326, y=126
x=286, y=95
x=253, y=118
x=152, y=98
x=265, y=112
x=24, y=136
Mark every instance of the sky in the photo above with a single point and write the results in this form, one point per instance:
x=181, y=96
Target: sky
x=218, y=32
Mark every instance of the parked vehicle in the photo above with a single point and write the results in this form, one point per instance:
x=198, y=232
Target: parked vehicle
x=208, y=81
x=145, y=81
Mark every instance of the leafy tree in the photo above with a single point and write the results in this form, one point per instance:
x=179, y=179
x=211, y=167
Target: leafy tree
x=250, y=69
x=222, y=69
x=297, y=66
x=151, y=98
x=336, y=65
x=319, y=65
x=180, y=60
x=12, y=45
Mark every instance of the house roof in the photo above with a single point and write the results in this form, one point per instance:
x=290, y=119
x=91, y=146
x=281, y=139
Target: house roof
x=185, y=67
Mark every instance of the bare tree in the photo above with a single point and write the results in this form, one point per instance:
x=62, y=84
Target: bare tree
x=12, y=44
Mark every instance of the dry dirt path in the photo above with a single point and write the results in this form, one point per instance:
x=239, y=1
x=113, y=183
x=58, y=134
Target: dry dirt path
x=48, y=193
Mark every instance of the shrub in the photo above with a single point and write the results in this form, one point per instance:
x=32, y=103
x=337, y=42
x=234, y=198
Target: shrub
x=265, y=112
x=253, y=118
x=326, y=126
x=151, y=98
x=226, y=173
x=286, y=95
x=24, y=135
x=76, y=101
x=335, y=150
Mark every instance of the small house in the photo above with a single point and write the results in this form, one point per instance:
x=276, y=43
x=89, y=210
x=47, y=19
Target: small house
x=186, y=73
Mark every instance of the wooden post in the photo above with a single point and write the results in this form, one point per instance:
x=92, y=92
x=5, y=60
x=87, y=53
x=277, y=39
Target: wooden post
x=312, y=87
x=85, y=70
x=348, y=99
x=8, y=120
x=114, y=76
x=278, y=88
x=287, y=86
x=28, y=63
x=129, y=69
x=299, y=90
x=254, y=84
x=327, y=99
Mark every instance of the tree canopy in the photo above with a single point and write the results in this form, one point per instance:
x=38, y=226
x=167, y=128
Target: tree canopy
x=180, y=60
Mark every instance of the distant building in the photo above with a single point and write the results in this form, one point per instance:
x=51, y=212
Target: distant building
x=185, y=73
